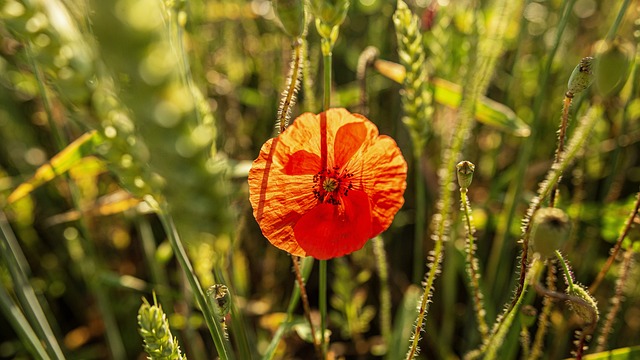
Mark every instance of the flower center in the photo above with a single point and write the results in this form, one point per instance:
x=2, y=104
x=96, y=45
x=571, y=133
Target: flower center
x=330, y=184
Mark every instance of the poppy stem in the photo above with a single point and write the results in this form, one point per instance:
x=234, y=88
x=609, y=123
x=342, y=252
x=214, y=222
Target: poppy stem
x=323, y=307
x=326, y=57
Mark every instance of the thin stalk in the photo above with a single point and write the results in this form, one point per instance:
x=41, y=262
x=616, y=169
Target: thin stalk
x=616, y=301
x=473, y=271
x=323, y=307
x=291, y=88
x=305, y=303
x=113, y=336
x=576, y=143
x=497, y=339
x=217, y=334
x=385, y=294
x=524, y=156
x=567, y=273
x=21, y=326
x=307, y=265
x=420, y=223
x=545, y=313
x=562, y=134
x=10, y=250
x=616, y=24
x=326, y=59
x=617, y=246
x=483, y=67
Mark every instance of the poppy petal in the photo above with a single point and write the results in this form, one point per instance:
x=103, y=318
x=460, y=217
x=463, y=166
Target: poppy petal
x=349, y=139
x=329, y=231
x=278, y=199
x=380, y=171
x=302, y=162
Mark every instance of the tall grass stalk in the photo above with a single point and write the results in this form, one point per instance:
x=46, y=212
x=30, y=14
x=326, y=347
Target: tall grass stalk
x=615, y=303
x=35, y=316
x=22, y=327
x=385, y=294
x=481, y=70
x=221, y=344
x=514, y=193
x=616, y=248
x=91, y=266
x=307, y=265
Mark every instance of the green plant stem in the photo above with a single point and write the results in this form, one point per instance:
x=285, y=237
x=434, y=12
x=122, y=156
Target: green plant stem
x=385, y=294
x=88, y=266
x=617, y=246
x=611, y=34
x=565, y=269
x=513, y=197
x=21, y=326
x=420, y=223
x=10, y=251
x=326, y=59
x=307, y=265
x=305, y=303
x=472, y=268
x=497, y=339
x=323, y=307
x=180, y=253
x=543, y=319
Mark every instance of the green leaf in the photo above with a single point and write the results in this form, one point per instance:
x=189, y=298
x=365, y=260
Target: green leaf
x=628, y=353
x=59, y=164
x=488, y=112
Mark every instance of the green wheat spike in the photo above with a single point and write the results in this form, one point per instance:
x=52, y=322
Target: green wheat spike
x=416, y=96
x=155, y=331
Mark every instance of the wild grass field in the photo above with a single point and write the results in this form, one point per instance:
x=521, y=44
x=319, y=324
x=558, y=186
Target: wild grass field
x=319, y=179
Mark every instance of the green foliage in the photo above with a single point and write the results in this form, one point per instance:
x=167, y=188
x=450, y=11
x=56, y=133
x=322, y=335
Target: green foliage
x=128, y=127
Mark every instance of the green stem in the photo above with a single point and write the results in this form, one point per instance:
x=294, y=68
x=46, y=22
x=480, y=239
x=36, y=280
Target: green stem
x=496, y=341
x=307, y=265
x=21, y=326
x=181, y=255
x=385, y=293
x=472, y=268
x=326, y=59
x=524, y=157
x=10, y=251
x=323, y=307
x=616, y=24
x=567, y=272
x=421, y=214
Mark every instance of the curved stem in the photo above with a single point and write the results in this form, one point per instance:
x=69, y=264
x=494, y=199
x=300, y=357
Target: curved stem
x=181, y=255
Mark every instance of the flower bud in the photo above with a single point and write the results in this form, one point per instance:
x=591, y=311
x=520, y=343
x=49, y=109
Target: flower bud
x=587, y=312
x=465, y=174
x=581, y=77
x=291, y=15
x=613, y=64
x=330, y=12
x=549, y=231
x=219, y=294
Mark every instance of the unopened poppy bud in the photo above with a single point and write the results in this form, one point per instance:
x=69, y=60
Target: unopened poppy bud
x=549, y=231
x=613, y=63
x=581, y=77
x=587, y=311
x=465, y=174
x=219, y=294
x=291, y=15
x=330, y=12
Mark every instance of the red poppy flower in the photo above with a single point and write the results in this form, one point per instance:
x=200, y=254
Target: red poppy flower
x=327, y=184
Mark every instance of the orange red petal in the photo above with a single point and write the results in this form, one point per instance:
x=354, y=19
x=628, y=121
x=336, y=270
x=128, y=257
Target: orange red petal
x=366, y=174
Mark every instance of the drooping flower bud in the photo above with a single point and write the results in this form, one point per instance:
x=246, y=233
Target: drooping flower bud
x=292, y=16
x=613, y=64
x=581, y=77
x=549, y=231
x=587, y=312
x=465, y=174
